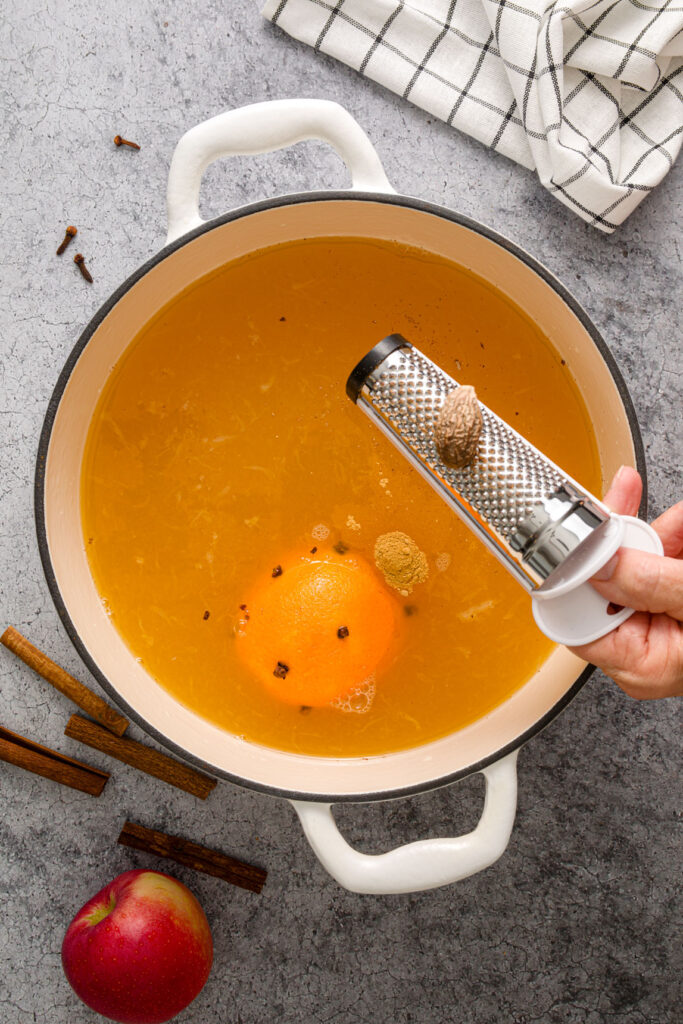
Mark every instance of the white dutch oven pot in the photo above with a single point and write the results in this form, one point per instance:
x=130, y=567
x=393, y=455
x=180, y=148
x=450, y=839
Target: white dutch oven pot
x=370, y=208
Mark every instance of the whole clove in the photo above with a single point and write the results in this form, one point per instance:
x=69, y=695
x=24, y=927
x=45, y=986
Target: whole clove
x=70, y=233
x=79, y=260
x=120, y=141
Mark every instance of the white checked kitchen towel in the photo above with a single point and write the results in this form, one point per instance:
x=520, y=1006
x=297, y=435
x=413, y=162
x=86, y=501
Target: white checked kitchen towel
x=588, y=93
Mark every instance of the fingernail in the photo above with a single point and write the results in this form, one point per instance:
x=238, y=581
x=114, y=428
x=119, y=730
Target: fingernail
x=613, y=608
x=619, y=473
x=607, y=570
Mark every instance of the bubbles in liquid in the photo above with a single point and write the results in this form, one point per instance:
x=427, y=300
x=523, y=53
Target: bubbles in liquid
x=357, y=700
x=443, y=561
x=320, y=532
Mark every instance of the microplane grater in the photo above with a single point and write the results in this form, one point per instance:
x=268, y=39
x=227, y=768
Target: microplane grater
x=547, y=530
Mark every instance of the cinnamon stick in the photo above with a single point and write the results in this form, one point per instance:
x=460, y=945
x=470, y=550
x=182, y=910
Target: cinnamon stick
x=140, y=756
x=24, y=753
x=62, y=681
x=193, y=855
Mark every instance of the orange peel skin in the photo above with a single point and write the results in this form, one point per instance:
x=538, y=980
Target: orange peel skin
x=317, y=629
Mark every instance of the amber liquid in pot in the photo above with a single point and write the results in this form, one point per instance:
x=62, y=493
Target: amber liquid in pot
x=223, y=438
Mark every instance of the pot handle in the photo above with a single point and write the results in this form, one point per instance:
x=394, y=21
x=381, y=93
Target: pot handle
x=426, y=864
x=261, y=128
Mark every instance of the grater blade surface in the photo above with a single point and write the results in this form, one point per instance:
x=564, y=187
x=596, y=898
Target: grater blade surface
x=530, y=514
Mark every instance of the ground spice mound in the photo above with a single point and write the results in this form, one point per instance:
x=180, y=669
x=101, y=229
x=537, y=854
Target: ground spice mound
x=400, y=561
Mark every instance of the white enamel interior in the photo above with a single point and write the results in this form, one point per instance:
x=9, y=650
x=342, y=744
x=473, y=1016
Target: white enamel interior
x=284, y=772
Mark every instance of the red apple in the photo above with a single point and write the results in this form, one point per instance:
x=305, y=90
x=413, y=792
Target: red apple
x=140, y=950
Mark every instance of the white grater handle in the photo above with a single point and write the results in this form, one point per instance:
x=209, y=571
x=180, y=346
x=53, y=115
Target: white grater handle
x=262, y=128
x=428, y=863
x=575, y=614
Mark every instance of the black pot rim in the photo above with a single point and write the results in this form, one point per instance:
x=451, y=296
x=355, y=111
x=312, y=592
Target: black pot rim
x=53, y=405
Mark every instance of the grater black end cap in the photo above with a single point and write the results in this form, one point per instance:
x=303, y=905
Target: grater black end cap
x=371, y=361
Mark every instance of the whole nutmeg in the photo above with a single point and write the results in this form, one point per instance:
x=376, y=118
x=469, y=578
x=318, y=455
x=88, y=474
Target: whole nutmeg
x=458, y=427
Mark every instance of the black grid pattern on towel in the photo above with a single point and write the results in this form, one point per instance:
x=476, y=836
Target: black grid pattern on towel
x=480, y=65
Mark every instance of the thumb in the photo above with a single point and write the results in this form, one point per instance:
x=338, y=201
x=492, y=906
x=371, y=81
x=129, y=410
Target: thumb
x=648, y=583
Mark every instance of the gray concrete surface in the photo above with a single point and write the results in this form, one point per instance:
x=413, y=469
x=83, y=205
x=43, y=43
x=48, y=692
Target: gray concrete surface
x=577, y=922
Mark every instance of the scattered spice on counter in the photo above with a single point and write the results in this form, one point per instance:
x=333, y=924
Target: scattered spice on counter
x=192, y=855
x=58, y=677
x=280, y=671
x=71, y=232
x=305, y=708
x=313, y=550
x=139, y=756
x=341, y=548
x=79, y=260
x=120, y=141
x=33, y=757
x=343, y=632
x=409, y=609
x=400, y=561
x=206, y=615
x=277, y=571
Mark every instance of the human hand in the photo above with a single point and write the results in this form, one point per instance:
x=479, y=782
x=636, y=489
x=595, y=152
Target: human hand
x=644, y=656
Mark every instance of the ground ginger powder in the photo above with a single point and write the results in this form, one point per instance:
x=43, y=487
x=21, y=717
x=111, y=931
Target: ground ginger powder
x=400, y=561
